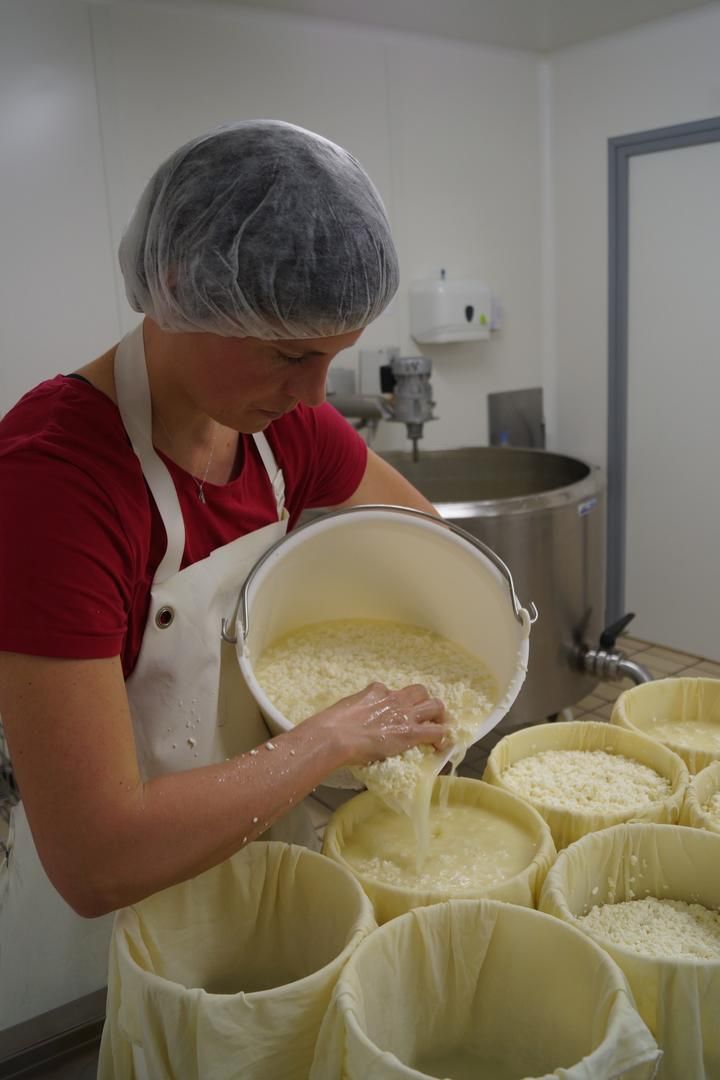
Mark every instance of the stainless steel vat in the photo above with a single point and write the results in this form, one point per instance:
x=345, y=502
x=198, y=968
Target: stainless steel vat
x=544, y=515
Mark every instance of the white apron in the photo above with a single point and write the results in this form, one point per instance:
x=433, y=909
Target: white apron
x=189, y=705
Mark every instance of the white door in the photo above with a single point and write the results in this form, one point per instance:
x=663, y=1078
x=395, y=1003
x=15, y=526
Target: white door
x=673, y=426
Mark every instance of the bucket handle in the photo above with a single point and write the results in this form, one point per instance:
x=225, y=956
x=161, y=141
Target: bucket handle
x=242, y=609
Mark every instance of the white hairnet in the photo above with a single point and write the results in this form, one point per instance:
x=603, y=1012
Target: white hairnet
x=260, y=229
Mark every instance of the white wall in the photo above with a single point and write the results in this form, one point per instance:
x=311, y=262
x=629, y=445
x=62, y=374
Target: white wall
x=491, y=162
x=662, y=74
x=449, y=132
x=57, y=307
x=466, y=164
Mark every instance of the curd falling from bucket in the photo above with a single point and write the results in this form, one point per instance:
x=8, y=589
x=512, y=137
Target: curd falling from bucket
x=311, y=668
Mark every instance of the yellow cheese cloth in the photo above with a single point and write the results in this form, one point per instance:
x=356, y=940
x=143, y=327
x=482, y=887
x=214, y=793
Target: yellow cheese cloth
x=229, y=975
x=679, y=1000
x=569, y=825
x=681, y=711
x=699, y=792
x=499, y=990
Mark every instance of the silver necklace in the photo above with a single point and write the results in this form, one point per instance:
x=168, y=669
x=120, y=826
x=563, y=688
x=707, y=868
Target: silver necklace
x=199, y=481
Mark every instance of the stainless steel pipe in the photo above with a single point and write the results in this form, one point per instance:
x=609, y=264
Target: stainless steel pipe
x=613, y=666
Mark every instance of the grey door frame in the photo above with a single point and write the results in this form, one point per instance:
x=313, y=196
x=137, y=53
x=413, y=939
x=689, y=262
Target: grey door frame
x=621, y=151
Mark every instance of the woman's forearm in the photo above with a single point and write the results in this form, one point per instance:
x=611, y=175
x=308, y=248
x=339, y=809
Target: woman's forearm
x=175, y=827
x=108, y=839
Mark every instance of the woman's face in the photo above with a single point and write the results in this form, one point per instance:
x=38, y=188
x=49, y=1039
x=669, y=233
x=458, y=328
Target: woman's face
x=246, y=383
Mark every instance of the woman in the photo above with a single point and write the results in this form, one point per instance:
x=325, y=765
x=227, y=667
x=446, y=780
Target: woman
x=138, y=492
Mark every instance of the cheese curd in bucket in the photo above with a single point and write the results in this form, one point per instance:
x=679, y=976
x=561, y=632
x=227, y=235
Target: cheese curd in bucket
x=583, y=776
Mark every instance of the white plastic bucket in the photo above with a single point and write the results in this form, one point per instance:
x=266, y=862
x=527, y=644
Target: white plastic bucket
x=384, y=562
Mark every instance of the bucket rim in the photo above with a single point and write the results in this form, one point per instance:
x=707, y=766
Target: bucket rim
x=237, y=634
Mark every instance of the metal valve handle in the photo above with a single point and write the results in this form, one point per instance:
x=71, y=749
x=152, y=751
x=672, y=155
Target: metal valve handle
x=611, y=633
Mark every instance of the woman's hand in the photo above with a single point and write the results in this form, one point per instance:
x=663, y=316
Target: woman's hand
x=378, y=723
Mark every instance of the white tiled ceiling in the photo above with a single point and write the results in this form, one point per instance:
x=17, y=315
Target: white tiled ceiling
x=537, y=25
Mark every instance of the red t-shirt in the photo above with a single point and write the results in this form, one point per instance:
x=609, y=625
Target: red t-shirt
x=81, y=537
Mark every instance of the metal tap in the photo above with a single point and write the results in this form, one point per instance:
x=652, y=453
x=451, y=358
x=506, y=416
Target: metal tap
x=608, y=663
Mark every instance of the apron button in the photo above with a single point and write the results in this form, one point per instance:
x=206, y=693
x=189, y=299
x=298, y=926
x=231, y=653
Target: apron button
x=164, y=617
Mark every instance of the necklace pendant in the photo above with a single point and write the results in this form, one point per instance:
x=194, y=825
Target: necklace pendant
x=201, y=495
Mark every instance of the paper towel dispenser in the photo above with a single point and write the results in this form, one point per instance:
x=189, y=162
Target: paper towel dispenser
x=443, y=310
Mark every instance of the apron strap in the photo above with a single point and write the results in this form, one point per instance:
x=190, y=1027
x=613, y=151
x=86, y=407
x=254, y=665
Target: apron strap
x=273, y=470
x=135, y=405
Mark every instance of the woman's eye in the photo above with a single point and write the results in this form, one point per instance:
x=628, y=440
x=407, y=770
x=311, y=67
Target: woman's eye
x=290, y=359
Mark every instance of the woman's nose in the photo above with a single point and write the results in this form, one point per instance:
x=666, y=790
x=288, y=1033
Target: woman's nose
x=307, y=384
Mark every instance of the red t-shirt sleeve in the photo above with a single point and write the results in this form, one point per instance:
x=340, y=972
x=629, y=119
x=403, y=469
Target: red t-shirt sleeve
x=68, y=561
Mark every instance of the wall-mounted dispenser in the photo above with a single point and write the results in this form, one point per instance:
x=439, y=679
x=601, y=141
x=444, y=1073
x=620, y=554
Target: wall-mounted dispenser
x=443, y=310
